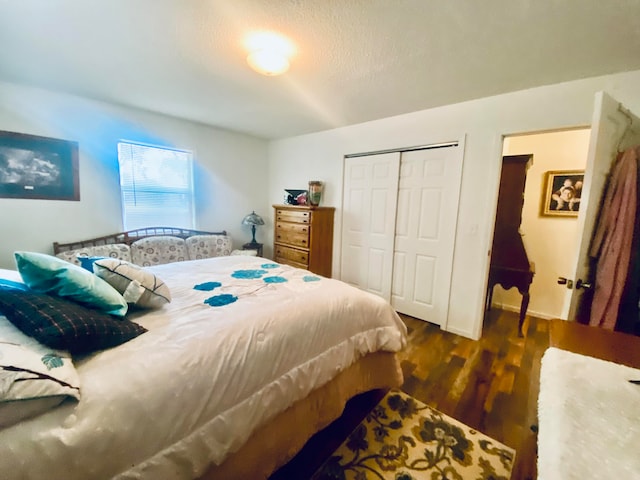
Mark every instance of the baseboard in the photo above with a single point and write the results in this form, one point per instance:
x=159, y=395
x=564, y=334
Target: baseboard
x=533, y=313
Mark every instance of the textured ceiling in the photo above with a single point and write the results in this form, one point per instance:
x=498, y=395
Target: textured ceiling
x=356, y=60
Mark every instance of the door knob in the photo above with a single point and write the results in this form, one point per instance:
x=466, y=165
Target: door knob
x=564, y=281
x=581, y=284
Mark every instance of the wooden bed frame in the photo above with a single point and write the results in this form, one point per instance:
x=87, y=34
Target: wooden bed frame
x=131, y=236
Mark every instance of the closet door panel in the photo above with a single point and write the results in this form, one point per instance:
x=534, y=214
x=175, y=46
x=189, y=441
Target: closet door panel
x=399, y=269
x=423, y=287
x=429, y=187
x=375, y=280
x=429, y=214
x=353, y=251
x=370, y=192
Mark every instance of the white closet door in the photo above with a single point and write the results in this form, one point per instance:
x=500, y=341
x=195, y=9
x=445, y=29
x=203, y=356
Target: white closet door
x=368, y=221
x=427, y=213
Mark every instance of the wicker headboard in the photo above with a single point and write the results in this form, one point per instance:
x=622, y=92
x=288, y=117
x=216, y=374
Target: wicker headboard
x=131, y=236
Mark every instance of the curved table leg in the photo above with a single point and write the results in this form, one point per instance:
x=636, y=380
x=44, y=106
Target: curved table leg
x=523, y=311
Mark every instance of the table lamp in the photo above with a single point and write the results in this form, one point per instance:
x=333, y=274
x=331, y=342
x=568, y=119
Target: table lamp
x=253, y=219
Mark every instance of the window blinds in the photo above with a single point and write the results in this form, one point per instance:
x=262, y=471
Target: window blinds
x=156, y=185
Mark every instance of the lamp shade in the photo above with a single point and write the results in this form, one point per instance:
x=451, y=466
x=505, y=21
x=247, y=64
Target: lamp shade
x=253, y=219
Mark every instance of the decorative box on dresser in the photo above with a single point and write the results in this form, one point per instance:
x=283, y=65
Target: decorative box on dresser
x=303, y=237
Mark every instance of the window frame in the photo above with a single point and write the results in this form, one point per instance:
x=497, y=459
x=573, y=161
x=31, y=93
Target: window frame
x=129, y=221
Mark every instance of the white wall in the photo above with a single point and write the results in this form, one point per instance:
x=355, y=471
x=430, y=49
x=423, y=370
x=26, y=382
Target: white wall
x=319, y=156
x=230, y=169
x=550, y=241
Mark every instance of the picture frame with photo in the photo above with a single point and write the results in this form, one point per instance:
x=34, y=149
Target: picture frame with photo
x=38, y=167
x=561, y=193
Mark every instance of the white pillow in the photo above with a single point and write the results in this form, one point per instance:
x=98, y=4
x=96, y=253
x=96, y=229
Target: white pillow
x=138, y=286
x=246, y=253
x=33, y=377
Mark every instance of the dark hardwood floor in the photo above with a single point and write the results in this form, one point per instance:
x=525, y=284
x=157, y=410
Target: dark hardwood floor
x=490, y=384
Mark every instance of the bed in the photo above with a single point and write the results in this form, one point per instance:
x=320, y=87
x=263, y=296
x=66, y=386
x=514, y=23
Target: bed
x=248, y=360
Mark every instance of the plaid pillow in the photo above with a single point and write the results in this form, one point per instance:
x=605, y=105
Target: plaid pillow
x=65, y=325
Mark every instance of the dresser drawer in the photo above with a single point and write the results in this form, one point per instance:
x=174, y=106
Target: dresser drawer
x=292, y=238
x=292, y=216
x=286, y=261
x=301, y=258
x=286, y=227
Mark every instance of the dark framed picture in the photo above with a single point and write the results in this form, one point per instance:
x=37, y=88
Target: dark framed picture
x=38, y=167
x=561, y=193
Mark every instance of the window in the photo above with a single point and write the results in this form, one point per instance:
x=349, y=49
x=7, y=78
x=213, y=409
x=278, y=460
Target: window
x=156, y=184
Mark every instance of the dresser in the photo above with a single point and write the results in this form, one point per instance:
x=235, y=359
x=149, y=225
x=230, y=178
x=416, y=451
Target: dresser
x=303, y=237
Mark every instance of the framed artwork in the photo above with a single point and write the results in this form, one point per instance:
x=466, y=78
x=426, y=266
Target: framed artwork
x=561, y=193
x=38, y=167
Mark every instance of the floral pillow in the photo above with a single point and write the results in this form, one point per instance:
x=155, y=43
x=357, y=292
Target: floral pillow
x=207, y=246
x=158, y=250
x=33, y=378
x=138, y=286
x=114, y=250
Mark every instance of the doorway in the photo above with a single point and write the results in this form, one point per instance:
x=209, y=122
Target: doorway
x=548, y=239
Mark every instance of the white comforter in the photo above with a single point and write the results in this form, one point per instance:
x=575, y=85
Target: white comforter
x=203, y=378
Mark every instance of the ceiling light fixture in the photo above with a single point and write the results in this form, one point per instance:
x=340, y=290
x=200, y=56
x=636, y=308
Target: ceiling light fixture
x=269, y=53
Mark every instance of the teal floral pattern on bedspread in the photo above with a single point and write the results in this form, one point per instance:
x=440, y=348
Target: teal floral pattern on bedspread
x=243, y=282
x=248, y=274
x=207, y=286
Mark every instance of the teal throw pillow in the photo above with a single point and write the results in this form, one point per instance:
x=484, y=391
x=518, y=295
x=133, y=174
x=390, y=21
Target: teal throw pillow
x=5, y=283
x=48, y=274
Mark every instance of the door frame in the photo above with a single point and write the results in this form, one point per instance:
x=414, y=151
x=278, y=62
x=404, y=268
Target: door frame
x=496, y=165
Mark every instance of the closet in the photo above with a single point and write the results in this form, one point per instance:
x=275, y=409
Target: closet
x=399, y=219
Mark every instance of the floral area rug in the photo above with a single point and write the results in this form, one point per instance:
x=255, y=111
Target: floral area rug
x=404, y=439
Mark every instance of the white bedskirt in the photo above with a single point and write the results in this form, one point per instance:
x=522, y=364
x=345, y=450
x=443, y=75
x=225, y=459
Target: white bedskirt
x=589, y=418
